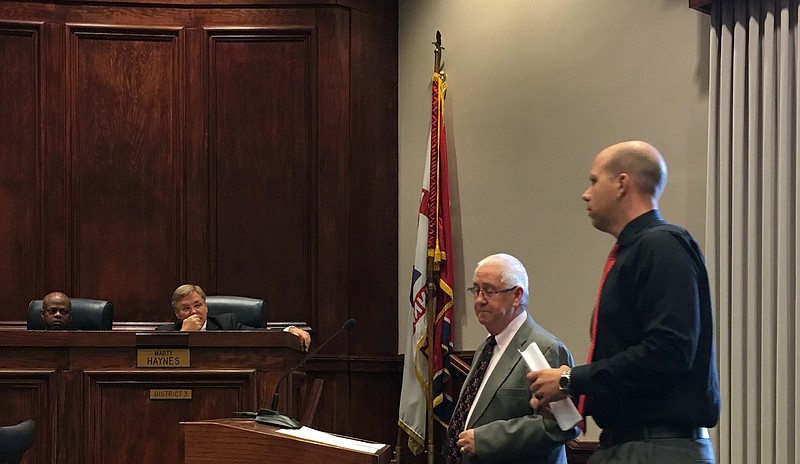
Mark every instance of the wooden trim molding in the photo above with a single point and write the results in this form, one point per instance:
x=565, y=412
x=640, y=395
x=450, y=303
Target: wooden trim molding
x=701, y=5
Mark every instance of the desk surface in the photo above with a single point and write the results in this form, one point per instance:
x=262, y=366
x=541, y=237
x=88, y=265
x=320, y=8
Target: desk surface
x=126, y=338
x=246, y=441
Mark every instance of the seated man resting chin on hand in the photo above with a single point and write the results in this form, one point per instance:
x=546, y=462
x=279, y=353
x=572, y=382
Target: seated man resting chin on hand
x=189, y=304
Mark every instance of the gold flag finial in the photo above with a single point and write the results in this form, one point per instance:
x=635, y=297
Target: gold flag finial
x=438, y=66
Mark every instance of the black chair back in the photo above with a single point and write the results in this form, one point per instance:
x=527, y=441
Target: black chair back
x=15, y=441
x=249, y=311
x=87, y=314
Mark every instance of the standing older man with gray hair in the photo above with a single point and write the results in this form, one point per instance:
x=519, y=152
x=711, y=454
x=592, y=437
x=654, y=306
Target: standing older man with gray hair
x=493, y=420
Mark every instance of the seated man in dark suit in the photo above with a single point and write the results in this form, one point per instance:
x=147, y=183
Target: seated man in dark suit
x=189, y=304
x=56, y=311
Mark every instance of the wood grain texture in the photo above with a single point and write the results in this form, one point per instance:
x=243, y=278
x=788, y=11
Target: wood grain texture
x=29, y=394
x=21, y=186
x=249, y=147
x=245, y=441
x=252, y=151
x=123, y=161
x=262, y=184
x=93, y=406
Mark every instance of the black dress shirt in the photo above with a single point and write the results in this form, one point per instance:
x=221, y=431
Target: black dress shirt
x=654, y=361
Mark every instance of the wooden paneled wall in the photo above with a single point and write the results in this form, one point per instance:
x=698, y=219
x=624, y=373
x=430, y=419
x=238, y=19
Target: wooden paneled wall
x=249, y=147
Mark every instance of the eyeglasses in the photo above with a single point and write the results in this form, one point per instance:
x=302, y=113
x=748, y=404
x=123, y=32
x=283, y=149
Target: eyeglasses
x=53, y=311
x=488, y=292
x=188, y=307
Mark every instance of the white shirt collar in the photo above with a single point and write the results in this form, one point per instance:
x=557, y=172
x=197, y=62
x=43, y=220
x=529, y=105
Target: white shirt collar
x=504, y=337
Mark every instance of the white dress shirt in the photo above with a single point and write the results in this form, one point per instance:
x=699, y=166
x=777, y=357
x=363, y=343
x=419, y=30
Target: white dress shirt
x=502, y=339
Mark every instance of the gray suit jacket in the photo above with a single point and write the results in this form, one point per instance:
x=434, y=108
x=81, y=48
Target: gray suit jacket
x=507, y=430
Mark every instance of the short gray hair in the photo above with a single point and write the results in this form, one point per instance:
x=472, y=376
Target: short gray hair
x=185, y=290
x=512, y=272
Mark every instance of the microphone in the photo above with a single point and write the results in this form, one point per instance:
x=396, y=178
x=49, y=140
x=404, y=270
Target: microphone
x=271, y=416
x=349, y=324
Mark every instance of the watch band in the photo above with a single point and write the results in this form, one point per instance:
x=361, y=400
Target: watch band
x=565, y=382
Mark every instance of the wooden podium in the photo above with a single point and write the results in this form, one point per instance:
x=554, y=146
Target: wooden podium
x=244, y=441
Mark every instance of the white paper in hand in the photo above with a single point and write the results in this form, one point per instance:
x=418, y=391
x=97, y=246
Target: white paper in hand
x=565, y=412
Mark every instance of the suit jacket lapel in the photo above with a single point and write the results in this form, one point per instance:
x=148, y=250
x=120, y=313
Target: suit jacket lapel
x=504, y=366
x=212, y=323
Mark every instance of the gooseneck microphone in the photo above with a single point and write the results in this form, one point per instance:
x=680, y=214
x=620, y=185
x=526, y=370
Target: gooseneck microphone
x=349, y=324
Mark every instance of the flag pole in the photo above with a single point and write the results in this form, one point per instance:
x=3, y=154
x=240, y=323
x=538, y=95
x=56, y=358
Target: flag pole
x=431, y=288
x=430, y=305
x=437, y=53
x=432, y=283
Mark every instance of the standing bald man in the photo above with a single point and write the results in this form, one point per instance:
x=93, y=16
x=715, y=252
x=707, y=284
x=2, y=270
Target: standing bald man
x=650, y=382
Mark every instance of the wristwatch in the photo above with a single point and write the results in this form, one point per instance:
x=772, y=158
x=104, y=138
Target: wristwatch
x=564, y=381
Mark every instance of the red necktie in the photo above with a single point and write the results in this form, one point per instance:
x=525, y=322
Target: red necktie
x=612, y=257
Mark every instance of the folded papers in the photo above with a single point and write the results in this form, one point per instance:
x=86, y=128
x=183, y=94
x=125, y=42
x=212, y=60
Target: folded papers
x=565, y=412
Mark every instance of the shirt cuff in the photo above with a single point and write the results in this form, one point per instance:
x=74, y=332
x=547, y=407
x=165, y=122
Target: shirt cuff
x=578, y=379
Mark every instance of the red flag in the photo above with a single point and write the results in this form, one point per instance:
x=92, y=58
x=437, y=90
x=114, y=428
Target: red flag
x=434, y=248
x=440, y=246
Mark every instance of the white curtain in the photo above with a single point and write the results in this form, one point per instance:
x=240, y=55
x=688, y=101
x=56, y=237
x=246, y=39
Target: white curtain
x=753, y=226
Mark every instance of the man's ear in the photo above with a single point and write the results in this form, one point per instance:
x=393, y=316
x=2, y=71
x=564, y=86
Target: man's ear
x=624, y=183
x=518, y=293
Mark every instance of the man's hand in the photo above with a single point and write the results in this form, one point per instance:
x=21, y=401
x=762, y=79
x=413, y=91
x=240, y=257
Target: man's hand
x=541, y=407
x=466, y=442
x=544, y=385
x=192, y=323
x=304, y=336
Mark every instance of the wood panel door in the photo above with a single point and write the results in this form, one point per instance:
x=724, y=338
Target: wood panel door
x=125, y=162
x=262, y=167
x=122, y=419
x=21, y=156
x=28, y=394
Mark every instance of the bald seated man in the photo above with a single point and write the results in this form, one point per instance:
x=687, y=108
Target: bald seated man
x=56, y=311
x=650, y=382
x=189, y=304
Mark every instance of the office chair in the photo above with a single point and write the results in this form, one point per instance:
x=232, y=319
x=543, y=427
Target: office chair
x=87, y=314
x=249, y=311
x=15, y=441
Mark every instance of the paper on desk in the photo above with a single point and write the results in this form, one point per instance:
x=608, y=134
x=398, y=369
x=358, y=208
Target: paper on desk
x=565, y=412
x=307, y=433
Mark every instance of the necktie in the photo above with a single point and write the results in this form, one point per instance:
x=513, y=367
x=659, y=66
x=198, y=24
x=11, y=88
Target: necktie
x=452, y=452
x=583, y=406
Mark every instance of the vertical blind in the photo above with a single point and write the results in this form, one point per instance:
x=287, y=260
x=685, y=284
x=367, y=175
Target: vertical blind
x=752, y=226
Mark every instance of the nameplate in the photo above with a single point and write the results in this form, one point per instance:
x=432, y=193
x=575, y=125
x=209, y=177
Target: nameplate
x=170, y=394
x=162, y=357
